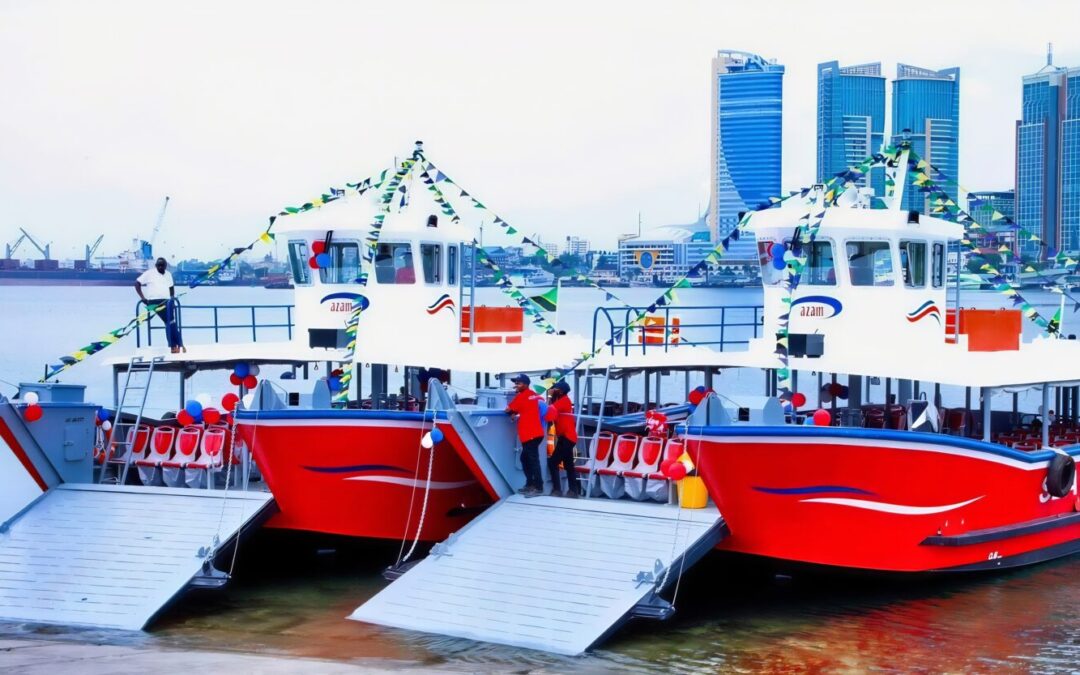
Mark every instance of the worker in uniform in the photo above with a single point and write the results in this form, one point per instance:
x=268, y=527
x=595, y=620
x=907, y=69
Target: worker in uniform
x=561, y=412
x=525, y=409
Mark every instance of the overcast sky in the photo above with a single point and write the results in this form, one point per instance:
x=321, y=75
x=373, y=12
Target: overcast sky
x=566, y=117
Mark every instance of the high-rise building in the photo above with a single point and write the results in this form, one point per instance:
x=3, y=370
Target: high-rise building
x=576, y=246
x=982, y=206
x=850, y=119
x=1048, y=159
x=926, y=111
x=747, y=97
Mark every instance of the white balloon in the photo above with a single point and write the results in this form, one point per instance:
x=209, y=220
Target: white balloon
x=426, y=441
x=31, y=398
x=204, y=400
x=106, y=425
x=254, y=370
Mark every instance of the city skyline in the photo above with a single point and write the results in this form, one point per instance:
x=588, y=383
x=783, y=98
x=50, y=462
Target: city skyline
x=237, y=110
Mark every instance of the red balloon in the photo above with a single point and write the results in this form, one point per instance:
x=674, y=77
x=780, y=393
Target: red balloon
x=312, y=263
x=228, y=419
x=677, y=471
x=33, y=412
x=229, y=401
x=318, y=247
x=250, y=382
x=696, y=397
x=236, y=379
x=822, y=418
x=798, y=399
x=211, y=415
x=185, y=418
x=665, y=466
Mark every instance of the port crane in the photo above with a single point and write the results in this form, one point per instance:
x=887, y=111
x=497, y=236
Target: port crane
x=148, y=245
x=12, y=248
x=44, y=251
x=92, y=248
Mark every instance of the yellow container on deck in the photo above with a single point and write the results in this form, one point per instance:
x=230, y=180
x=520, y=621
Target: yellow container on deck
x=692, y=493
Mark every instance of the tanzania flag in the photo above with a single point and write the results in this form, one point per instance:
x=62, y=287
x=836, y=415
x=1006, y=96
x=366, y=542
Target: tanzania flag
x=1055, y=323
x=547, y=301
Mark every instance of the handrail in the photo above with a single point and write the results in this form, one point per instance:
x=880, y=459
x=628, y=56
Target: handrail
x=620, y=338
x=216, y=324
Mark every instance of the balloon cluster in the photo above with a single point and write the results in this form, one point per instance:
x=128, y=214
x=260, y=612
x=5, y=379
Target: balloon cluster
x=103, y=419
x=245, y=374
x=33, y=411
x=677, y=469
x=778, y=253
x=834, y=390
x=319, y=259
x=198, y=411
x=698, y=394
x=431, y=438
x=656, y=423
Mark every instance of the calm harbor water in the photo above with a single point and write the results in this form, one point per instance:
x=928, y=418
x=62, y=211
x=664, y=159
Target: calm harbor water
x=291, y=593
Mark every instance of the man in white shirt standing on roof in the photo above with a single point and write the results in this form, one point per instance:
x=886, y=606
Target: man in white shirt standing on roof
x=155, y=288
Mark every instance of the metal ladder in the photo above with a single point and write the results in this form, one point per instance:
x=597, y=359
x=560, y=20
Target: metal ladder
x=588, y=396
x=124, y=434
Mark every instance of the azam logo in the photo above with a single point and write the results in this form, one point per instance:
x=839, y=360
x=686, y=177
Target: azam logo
x=926, y=309
x=817, y=306
x=442, y=303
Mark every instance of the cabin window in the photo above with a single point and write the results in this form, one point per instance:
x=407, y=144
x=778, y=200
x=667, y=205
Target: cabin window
x=913, y=262
x=298, y=262
x=938, y=273
x=820, y=269
x=870, y=263
x=344, y=263
x=394, y=264
x=451, y=264
x=431, y=260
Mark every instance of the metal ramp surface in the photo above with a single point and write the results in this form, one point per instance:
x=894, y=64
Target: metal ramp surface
x=547, y=573
x=113, y=556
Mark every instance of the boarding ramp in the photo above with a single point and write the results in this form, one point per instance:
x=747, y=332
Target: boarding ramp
x=114, y=556
x=549, y=573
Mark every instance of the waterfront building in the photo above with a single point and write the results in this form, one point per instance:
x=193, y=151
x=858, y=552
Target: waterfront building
x=549, y=245
x=747, y=97
x=667, y=253
x=982, y=206
x=926, y=111
x=850, y=119
x=1048, y=158
x=576, y=246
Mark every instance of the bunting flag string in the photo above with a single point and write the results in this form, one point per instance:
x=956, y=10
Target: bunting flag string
x=945, y=207
x=267, y=237
x=951, y=211
x=389, y=187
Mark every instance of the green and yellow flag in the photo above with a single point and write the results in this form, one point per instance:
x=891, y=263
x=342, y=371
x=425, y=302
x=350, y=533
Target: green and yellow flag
x=547, y=301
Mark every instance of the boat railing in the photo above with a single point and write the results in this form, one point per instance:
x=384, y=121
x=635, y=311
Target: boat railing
x=221, y=319
x=669, y=327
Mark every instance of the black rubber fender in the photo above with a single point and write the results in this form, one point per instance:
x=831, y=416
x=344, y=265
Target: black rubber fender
x=1060, y=475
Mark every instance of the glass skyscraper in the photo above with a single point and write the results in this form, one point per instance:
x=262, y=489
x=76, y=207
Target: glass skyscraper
x=747, y=97
x=926, y=111
x=850, y=119
x=1048, y=159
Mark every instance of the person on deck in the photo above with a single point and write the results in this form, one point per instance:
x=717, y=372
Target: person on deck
x=525, y=408
x=561, y=411
x=155, y=288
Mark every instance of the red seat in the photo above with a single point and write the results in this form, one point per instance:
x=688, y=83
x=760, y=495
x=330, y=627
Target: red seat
x=956, y=421
x=611, y=476
x=187, y=448
x=161, y=447
x=875, y=418
x=649, y=455
x=135, y=441
x=601, y=450
x=198, y=473
x=896, y=417
x=1025, y=447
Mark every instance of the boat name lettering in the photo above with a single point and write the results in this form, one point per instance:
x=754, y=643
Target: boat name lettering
x=818, y=306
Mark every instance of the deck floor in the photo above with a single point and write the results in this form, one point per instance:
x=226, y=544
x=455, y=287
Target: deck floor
x=544, y=573
x=112, y=556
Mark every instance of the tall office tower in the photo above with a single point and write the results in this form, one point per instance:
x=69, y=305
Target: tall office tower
x=983, y=207
x=850, y=119
x=747, y=97
x=1048, y=159
x=926, y=111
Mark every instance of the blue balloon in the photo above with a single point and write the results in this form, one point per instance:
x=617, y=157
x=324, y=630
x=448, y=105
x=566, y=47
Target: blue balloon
x=103, y=415
x=809, y=422
x=543, y=410
x=437, y=435
x=776, y=250
x=334, y=382
x=323, y=260
x=241, y=370
x=700, y=389
x=778, y=263
x=193, y=408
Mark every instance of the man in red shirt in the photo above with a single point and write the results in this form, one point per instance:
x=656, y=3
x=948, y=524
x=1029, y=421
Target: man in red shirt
x=525, y=408
x=561, y=411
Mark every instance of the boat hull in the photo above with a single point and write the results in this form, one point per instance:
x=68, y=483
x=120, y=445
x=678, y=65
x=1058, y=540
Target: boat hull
x=361, y=473
x=880, y=500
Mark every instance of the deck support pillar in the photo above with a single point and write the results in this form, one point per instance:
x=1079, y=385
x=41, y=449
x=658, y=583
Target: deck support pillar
x=904, y=392
x=986, y=413
x=1044, y=415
